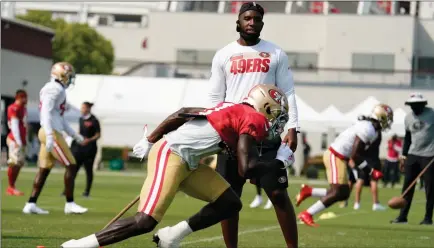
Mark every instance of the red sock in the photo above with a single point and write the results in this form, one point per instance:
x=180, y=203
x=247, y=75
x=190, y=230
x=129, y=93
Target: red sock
x=11, y=178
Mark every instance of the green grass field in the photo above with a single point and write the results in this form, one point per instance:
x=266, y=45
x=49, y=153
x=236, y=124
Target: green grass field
x=258, y=227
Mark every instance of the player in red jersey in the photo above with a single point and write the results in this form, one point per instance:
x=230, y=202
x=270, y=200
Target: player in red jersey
x=173, y=165
x=16, y=140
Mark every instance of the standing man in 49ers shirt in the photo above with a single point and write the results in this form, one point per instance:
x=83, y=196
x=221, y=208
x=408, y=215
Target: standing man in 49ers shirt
x=16, y=139
x=236, y=68
x=53, y=145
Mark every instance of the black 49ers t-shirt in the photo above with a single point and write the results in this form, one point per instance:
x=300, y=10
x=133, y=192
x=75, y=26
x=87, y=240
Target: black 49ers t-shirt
x=88, y=128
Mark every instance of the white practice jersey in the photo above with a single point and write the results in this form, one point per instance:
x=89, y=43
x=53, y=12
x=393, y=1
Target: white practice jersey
x=193, y=141
x=366, y=132
x=52, y=104
x=236, y=69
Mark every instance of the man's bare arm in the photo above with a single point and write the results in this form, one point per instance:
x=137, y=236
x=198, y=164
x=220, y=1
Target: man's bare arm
x=248, y=158
x=172, y=122
x=358, y=156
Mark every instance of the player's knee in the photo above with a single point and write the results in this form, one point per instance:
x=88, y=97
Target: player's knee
x=342, y=193
x=278, y=197
x=230, y=201
x=236, y=204
x=144, y=223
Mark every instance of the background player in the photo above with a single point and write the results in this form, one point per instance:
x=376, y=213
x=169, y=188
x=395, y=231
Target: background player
x=173, y=164
x=372, y=157
x=236, y=68
x=16, y=139
x=85, y=153
x=53, y=145
x=349, y=145
x=391, y=163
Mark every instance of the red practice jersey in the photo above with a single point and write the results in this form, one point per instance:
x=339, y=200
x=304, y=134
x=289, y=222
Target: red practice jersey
x=19, y=112
x=230, y=120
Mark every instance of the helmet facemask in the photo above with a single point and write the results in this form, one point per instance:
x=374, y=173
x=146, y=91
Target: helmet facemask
x=277, y=124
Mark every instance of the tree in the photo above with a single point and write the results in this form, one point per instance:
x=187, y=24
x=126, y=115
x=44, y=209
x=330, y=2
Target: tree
x=81, y=45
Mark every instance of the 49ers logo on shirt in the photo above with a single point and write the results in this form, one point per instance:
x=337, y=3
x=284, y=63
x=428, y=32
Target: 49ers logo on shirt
x=275, y=95
x=241, y=64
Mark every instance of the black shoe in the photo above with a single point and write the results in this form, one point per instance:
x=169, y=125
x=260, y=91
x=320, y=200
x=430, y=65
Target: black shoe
x=85, y=194
x=426, y=222
x=399, y=221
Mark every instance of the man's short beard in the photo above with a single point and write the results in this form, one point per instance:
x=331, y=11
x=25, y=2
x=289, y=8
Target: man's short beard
x=249, y=37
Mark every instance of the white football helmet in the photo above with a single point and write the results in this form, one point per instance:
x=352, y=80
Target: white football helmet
x=64, y=73
x=272, y=103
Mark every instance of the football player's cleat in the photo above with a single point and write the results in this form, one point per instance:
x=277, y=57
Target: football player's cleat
x=31, y=208
x=268, y=205
x=378, y=207
x=14, y=192
x=307, y=219
x=164, y=238
x=305, y=192
x=73, y=208
x=256, y=202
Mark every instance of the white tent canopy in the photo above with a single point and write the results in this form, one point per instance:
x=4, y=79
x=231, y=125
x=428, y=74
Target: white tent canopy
x=398, y=126
x=363, y=108
x=309, y=119
x=332, y=117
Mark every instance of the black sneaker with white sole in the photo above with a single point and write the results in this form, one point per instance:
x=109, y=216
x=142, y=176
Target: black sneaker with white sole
x=399, y=221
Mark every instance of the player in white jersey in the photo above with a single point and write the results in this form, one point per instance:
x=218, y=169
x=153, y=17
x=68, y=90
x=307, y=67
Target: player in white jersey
x=236, y=68
x=349, y=146
x=53, y=145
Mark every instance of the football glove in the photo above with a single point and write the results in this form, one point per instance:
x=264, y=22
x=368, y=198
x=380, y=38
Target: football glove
x=142, y=148
x=77, y=137
x=376, y=174
x=285, y=155
x=49, y=142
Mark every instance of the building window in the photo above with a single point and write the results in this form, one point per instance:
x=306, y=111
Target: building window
x=200, y=6
x=128, y=18
x=373, y=62
x=203, y=57
x=425, y=64
x=186, y=56
x=303, y=60
x=269, y=6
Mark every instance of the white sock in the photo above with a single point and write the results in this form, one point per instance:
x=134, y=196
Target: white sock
x=316, y=208
x=319, y=192
x=88, y=242
x=182, y=229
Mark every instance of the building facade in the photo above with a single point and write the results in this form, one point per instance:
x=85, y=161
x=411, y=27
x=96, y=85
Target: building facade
x=374, y=42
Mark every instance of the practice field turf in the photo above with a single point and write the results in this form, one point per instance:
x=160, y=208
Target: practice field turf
x=258, y=228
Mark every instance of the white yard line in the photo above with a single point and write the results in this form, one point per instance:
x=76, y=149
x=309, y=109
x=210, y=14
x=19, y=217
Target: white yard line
x=265, y=229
